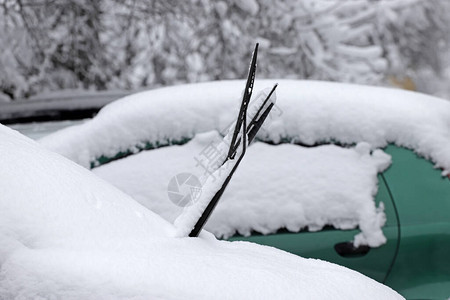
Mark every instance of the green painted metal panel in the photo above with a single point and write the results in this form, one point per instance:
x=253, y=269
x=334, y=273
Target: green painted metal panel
x=421, y=193
x=422, y=196
x=422, y=267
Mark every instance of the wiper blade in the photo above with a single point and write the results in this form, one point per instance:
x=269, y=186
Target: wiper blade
x=257, y=121
x=242, y=136
x=244, y=104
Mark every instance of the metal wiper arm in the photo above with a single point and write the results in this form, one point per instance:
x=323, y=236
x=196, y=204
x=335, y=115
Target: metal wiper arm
x=247, y=135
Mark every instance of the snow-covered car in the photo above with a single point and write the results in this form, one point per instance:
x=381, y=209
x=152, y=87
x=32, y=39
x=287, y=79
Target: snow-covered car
x=351, y=174
x=67, y=234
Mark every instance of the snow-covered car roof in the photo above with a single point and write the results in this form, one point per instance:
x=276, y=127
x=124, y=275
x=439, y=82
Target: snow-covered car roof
x=309, y=112
x=311, y=188
x=65, y=233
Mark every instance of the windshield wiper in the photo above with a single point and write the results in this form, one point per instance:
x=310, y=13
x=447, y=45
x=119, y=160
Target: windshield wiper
x=243, y=135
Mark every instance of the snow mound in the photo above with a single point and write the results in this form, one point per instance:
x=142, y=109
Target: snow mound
x=284, y=186
x=66, y=234
x=309, y=112
x=49, y=200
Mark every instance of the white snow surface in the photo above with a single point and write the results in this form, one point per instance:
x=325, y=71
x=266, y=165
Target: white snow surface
x=283, y=186
x=187, y=220
x=66, y=234
x=309, y=112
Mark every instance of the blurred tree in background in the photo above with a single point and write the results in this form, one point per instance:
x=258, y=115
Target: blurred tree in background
x=107, y=44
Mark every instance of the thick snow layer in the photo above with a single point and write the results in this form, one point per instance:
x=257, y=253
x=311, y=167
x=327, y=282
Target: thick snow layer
x=66, y=234
x=51, y=198
x=309, y=112
x=283, y=186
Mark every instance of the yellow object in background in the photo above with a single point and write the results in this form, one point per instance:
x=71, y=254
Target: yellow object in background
x=405, y=83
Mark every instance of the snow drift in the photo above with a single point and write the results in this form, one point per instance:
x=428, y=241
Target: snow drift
x=66, y=234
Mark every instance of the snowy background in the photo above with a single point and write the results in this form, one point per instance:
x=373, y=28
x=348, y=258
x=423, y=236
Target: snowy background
x=109, y=44
x=82, y=54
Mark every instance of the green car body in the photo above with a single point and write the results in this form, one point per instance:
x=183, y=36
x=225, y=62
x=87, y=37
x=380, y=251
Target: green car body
x=415, y=261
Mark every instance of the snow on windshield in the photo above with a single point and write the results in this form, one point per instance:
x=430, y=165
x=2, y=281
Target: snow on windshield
x=66, y=234
x=310, y=112
x=283, y=186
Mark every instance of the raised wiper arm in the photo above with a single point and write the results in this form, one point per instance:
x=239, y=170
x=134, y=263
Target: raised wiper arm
x=243, y=134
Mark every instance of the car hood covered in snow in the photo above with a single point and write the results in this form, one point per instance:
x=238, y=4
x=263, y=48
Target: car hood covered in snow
x=66, y=234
